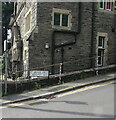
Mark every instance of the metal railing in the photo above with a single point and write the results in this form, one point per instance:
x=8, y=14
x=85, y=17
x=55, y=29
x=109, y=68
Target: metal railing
x=59, y=69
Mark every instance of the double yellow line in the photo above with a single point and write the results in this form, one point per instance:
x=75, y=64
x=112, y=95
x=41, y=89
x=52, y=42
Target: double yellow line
x=86, y=88
x=60, y=95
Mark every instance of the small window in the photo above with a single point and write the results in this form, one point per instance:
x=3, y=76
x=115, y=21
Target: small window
x=61, y=18
x=64, y=20
x=25, y=54
x=109, y=5
x=100, y=57
x=102, y=4
x=27, y=22
x=56, y=18
x=106, y=4
x=101, y=42
x=115, y=5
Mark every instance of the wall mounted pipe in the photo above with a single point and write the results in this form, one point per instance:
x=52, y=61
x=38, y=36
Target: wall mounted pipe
x=65, y=32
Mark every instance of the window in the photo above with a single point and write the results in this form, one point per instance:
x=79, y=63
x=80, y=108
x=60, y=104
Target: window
x=25, y=54
x=101, y=42
x=27, y=22
x=100, y=57
x=106, y=4
x=101, y=4
x=64, y=20
x=61, y=18
x=115, y=5
x=102, y=49
x=109, y=5
x=56, y=19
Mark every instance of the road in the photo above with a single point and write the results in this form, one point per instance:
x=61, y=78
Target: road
x=90, y=102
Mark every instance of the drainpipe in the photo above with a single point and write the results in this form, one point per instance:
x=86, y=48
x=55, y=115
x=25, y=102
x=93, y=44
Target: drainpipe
x=92, y=39
x=65, y=32
x=92, y=34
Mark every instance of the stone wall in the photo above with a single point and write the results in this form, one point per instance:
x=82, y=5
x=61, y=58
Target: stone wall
x=39, y=56
x=21, y=22
x=1, y=29
x=86, y=21
x=26, y=85
x=104, y=24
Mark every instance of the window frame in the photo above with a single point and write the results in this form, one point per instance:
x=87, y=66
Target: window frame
x=103, y=48
x=103, y=4
x=62, y=12
x=26, y=15
x=101, y=57
x=103, y=41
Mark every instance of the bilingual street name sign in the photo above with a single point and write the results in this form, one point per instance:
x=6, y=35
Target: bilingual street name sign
x=38, y=73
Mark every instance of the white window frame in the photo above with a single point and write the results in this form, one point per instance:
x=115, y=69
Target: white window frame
x=61, y=12
x=103, y=41
x=29, y=12
x=103, y=5
x=101, y=48
x=102, y=57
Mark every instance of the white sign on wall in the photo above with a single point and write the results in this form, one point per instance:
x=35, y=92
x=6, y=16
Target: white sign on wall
x=37, y=73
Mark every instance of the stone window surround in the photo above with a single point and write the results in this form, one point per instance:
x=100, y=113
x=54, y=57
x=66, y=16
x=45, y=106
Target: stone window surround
x=62, y=11
x=105, y=48
x=29, y=12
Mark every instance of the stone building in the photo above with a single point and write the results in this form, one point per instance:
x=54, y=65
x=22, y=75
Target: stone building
x=0, y=38
x=45, y=33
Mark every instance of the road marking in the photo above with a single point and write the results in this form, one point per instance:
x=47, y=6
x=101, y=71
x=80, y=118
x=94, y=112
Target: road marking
x=60, y=95
x=23, y=103
x=84, y=89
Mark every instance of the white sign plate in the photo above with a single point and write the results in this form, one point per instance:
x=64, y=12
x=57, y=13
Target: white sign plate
x=37, y=73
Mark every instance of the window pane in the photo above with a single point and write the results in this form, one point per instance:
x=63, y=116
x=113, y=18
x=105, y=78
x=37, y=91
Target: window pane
x=101, y=4
x=56, y=18
x=101, y=42
x=115, y=5
x=100, y=57
x=108, y=5
x=64, y=20
x=99, y=53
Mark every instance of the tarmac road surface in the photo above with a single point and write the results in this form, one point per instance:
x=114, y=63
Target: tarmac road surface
x=95, y=101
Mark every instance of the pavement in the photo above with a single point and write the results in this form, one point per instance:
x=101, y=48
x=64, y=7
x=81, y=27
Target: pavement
x=54, y=90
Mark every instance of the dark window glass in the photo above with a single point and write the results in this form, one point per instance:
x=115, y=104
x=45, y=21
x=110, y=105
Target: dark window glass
x=101, y=4
x=100, y=57
x=115, y=5
x=99, y=53
x=101, y=42
x=56, y=19
x=64, y=20
x=108, y=5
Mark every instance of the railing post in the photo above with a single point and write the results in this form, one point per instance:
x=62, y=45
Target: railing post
x=6, y=72
x=60, y=72
x=97, y=72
